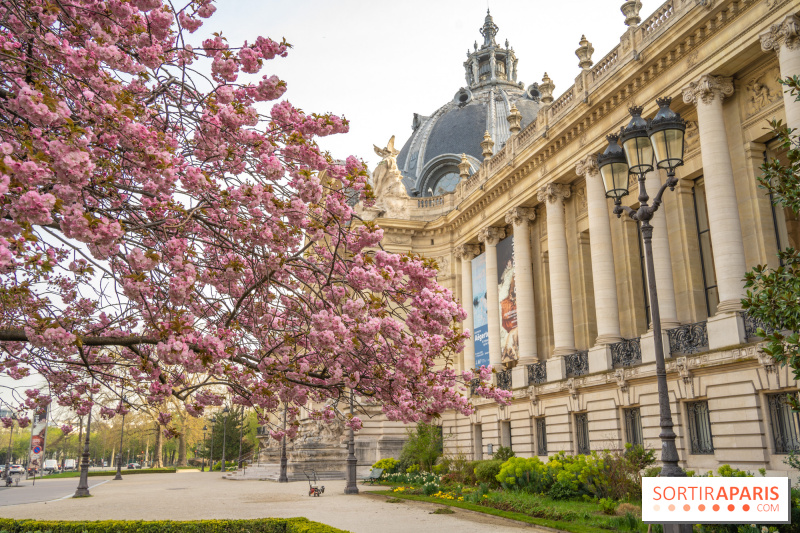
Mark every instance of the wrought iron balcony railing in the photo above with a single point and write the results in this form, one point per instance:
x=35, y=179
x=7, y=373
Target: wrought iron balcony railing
x=688, y=339
x=577, y=363
x=627, y=352
x=537, y=373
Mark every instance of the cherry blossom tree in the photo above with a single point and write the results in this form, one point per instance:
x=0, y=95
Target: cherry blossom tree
x=164, y=230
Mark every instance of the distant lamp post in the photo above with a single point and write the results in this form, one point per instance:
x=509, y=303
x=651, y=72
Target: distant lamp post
x=352, y=461
x=121, y=437
x=283, y=477
x=203, y=468
x=224, y=437
x=241, y=437
x=83, y=485
x=211, y=449
x=10, y=441
x=661, y=138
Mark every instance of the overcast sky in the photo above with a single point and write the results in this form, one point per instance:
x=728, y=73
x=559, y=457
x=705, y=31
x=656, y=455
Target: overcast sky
x=378, y=62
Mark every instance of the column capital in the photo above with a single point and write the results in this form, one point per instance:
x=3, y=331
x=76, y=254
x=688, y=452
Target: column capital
x=520, y=215
x=491, y=235
x=467, y=252
x=553, y=192
x=786, y=32
x=587, y=166
x=707, y=88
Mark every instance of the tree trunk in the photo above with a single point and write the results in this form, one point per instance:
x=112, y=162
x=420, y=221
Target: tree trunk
x=159, y=447
x=182, y=447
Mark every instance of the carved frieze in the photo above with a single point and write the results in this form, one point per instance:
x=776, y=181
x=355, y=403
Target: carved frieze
x=761, y=90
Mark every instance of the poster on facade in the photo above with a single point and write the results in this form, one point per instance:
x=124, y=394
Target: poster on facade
x=38, y=439
x=480, y=315
x=507, y=292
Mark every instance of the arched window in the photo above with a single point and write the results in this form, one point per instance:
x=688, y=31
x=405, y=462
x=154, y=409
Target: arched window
x=446, y=183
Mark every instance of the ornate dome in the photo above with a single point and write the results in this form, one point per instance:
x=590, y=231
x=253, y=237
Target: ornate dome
x=429, y=159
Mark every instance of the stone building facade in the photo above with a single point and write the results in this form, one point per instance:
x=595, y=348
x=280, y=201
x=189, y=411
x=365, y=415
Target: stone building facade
x=582, y=368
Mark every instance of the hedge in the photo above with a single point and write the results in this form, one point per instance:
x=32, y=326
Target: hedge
x=263, y=525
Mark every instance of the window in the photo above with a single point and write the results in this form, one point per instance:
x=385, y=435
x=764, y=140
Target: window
x=541, y=436
x=633, y=426
x=477, y=442
x=505, y=433
x=706, y=251
x=582, y=433
x=785, y=423
x=699, y=428
x=446, y=183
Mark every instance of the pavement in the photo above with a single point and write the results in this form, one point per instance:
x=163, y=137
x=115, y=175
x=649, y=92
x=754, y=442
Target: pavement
x=192, y=495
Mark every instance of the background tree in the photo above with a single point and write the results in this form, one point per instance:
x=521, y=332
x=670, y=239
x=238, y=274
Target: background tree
x=773, y=295
x=163, y=231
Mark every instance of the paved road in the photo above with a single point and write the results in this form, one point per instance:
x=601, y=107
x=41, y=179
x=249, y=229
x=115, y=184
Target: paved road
x=196, y=496
x=44, y=490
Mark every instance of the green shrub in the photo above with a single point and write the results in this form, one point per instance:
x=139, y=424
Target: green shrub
x=389, y=465
x=412, y=469
x=563, y=490
x=430, y=488
x=228, y=465
x=503, y=454
x=607, y=505
x=487, y=471
x=423, y=447
x=264, y=525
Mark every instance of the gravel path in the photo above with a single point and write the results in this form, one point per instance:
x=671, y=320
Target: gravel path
x=194, y=495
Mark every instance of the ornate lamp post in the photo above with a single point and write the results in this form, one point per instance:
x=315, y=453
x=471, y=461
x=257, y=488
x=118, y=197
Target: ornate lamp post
x=352, y=462
x=224, y=438
x=241, y=436
x=203, y=468
x=663, y=134
x=211, y=449
x=10, y=441
x=284, y=478
x=83, y=485
x=121, y=437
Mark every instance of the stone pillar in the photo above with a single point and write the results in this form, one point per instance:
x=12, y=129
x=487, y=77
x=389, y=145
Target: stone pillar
x=466, y=253
x=520, y=217
x=490, y=237
x=603, y=273
x=784, y=38
x=662, y=258
x=723, y=210
x=553, y=195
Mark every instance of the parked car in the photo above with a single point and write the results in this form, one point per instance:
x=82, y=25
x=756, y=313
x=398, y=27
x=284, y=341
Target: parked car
x=69, y=465
x=50, y=467
x=134, y=466
x=16, y=469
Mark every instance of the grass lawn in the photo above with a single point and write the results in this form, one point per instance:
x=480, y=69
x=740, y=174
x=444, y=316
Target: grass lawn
x=572, y=516
x=97, y=473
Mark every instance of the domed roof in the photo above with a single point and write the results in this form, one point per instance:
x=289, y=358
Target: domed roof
x=429, y=158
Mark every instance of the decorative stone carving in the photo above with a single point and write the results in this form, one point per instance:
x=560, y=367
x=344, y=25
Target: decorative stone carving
x=444, y=267
x=587, y=166
x=514, y=120
x=584, y=53
x=786, y=32
x=467, y=252
x=399, y=239
x=391, y=195
x=619, y=376
x=546, y=89
x=520, y=215
x=580, y=196
x=532, y=394
x=691, y=137
x=487, y=145
x=631, y=11
x=490, y=236
x=463, y=167
x=571, y=387
x=682, y=365
x=766, y=360
x=762, y=91
x=708, y=4
x=553, y=192
x=707, y=88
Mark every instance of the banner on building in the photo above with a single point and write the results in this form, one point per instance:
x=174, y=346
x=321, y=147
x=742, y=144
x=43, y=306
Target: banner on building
x=38, y=439
x=507, y=292
x=480, y=315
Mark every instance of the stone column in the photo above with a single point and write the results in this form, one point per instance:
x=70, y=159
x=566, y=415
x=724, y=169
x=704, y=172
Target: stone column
x=553, y=195
x=723, y=210
x=490, y=237
x=520, y=217
x=466, y=253
x=662, y=258
x=784, y=38
x=603, y=273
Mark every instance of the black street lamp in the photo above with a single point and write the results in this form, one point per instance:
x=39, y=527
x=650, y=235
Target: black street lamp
x=83, y=485
x=8, y=455
x=121, y=437
x=352, y=461
x=211, y=449
x=662, y=136
x=241, y=436
x=224, y=438
x=203, y=468
x=284, y=478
